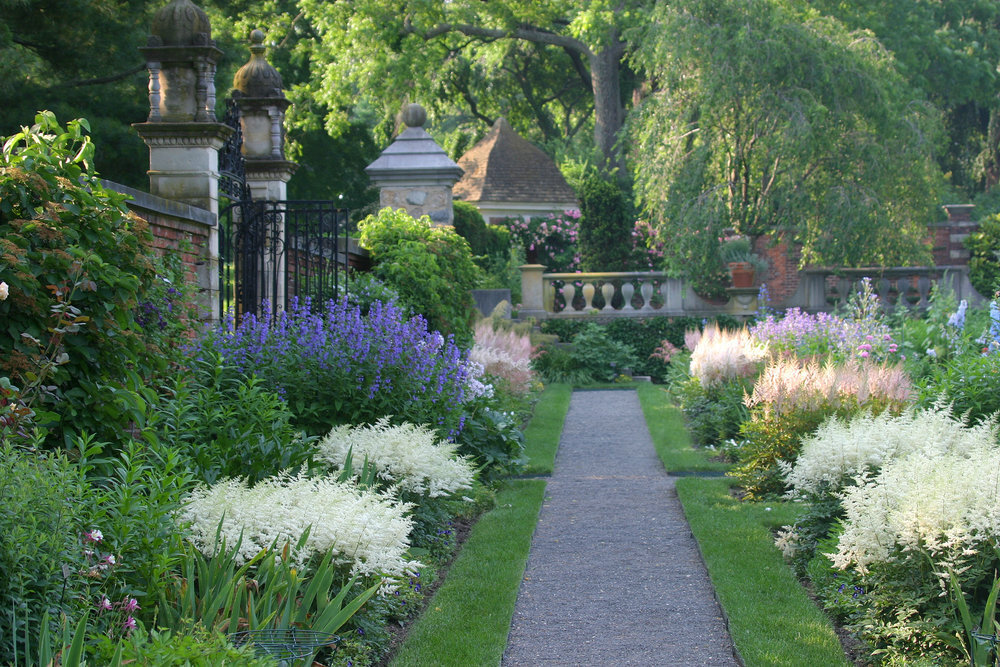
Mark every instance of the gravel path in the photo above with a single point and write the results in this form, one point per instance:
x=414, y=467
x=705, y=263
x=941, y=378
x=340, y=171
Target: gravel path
x=614, y=576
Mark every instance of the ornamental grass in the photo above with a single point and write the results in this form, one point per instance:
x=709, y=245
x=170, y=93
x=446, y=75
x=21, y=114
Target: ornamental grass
x=407, y=456
x=367, y=531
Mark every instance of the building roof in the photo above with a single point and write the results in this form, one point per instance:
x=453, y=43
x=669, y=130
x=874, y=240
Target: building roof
x=504, y=166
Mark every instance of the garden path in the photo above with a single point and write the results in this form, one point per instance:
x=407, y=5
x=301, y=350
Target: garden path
x=614, y=575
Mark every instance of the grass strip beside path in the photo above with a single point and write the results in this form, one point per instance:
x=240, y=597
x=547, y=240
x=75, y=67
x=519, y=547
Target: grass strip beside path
x=468, y=619
x=541, y=437
x=671, y=439
x=771, y=618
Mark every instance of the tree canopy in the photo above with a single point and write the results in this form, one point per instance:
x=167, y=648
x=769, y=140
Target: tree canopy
x=769, y=118
x=554, y=65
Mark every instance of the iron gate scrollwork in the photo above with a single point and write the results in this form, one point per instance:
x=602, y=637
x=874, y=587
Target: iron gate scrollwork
x=272, y=251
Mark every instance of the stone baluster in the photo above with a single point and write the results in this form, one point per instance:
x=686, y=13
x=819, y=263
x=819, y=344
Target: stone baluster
x=628, y=290
x=608, y=292
x=588, y=294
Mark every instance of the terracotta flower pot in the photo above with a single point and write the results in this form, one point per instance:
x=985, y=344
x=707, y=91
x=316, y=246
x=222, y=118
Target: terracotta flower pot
x=742, y=274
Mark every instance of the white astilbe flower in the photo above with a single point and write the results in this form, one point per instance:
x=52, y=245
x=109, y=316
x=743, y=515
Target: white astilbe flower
x=946, y=505
x=366, y=530
x=720, y=355
x=840, y=449
x=409, y=456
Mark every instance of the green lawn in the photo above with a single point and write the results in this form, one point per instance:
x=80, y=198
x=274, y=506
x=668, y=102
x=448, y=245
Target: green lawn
x=771, y=618
x=541, y=437
x=671, y=439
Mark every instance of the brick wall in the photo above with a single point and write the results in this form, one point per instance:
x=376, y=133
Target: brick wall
x=783, y=271
x=949, y=236
x=176, y=228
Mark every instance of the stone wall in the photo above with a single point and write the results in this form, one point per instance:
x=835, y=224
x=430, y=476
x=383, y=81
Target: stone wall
x=433, y=201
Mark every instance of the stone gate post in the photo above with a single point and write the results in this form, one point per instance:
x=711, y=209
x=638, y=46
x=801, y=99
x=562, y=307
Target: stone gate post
x=257, y=89
x=414, y=173
x=181, y=131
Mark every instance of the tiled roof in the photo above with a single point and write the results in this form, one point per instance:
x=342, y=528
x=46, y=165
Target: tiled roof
x=506, y=167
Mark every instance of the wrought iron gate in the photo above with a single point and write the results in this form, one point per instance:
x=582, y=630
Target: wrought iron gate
x=271, y=251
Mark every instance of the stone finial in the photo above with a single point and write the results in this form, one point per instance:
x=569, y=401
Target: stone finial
x=258, y=78
x=414, y=173
x=181, y=23
x=414, y=115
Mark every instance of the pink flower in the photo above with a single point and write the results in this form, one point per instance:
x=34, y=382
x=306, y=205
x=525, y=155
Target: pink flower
x=862, y=354
x=110, y=559
x=104, y=604
x=93, y=536
x=129, y=624
x=130, y=605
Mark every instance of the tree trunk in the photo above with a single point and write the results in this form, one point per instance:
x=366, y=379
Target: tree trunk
x=605, y=74
x=991, y=161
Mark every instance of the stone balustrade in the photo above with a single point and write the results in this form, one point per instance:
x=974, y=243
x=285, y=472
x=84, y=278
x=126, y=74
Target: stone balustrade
x=649, y=294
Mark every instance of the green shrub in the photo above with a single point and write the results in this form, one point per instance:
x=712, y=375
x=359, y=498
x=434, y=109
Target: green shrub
x=364, y=289
x=135, y=505
x=643, y=335
x=492, y=438
x=490, y=244
x=227, y=425
x=984, y=262
x=593, y=357
x=714, y=414
x=970, y=383
x=430, y=267
x=77, y=264
x=196, y=648
x=768, y=439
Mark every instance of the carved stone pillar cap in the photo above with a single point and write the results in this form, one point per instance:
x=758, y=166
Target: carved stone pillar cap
x=414, y=157
x=258, y=78
x=181, y=23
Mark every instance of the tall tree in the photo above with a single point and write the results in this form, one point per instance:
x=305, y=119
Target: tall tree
x=769, y=118
x=950, y=49
x=410, y=49
x=78, y=58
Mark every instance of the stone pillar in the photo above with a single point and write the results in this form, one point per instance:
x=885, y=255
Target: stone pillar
x=949, y=237
x=532, y=292
x=257, y=89
x=414, y=173
x=181, y=130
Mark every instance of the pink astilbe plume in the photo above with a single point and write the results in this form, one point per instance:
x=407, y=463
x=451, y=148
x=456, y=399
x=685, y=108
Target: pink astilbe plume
x=504, y=354
x=789, y=384
x=722, y=355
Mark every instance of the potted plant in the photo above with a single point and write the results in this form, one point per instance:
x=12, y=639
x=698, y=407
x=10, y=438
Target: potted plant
x=743, y=263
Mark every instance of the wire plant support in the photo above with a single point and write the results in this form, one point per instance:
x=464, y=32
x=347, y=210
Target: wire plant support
x=286, y=644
